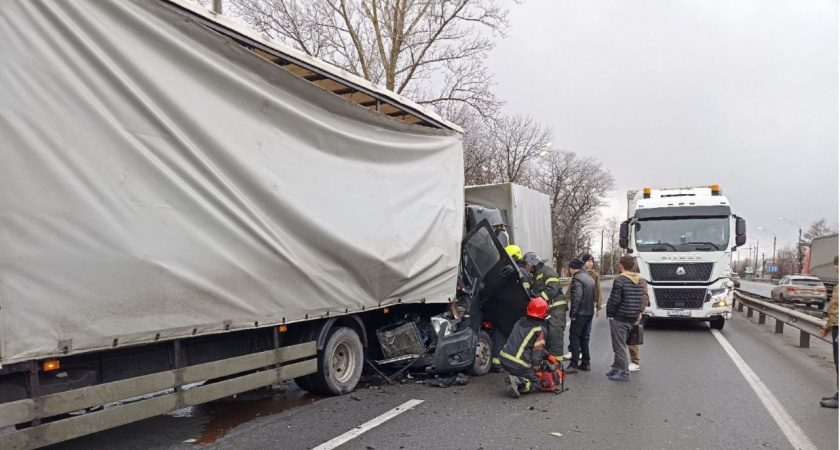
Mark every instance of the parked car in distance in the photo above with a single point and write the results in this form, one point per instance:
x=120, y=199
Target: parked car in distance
x=800, y=289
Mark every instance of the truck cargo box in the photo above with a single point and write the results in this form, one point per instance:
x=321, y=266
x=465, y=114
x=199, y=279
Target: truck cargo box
x=159, y=181
x=528, y=213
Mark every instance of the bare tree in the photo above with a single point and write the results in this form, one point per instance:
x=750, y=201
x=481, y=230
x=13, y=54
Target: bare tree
x=818, y=228
x=430, y=50
x=576, y=188
x=478, y=153
x=517, y=140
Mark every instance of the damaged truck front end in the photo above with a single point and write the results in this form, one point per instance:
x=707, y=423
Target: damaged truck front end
x=459, y=340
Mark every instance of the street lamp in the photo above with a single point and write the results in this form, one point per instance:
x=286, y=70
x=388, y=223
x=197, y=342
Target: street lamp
x=799, y=244
x=774, y=242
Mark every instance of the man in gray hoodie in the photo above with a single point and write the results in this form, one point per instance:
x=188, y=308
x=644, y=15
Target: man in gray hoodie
x=623, y=309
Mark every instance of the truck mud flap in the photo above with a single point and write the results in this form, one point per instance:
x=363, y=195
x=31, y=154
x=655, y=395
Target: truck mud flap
x=455, y=352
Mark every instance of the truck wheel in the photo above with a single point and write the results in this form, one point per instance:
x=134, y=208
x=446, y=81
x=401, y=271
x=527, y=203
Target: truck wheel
x=339, y=363
x=717, y=324
x=483, y=355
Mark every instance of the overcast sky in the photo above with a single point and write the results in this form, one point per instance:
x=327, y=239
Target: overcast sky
x=683, y=92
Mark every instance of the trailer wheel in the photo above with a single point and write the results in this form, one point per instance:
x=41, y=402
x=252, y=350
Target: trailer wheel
x=339, y=364
x=483, y=355
x=718, y=323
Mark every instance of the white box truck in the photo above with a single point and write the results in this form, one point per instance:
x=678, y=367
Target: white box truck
x=183, y=201
x=682, y=240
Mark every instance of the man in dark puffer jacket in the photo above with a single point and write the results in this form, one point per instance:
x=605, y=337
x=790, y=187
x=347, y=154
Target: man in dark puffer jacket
x=623, y=309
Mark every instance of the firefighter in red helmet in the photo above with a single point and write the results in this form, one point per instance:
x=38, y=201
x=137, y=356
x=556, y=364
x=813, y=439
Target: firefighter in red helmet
x=525, y=349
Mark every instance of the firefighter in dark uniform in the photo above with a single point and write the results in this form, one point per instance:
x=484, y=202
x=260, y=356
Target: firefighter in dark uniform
x=498, y=336
x=546, y=284
x=524, y=350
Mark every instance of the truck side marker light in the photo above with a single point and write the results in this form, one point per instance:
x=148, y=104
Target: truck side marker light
x=386, y=310
x=282, y=328
x=51, y=365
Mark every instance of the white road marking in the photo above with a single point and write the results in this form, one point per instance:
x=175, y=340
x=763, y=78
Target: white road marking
x=789, y=427
x=373, y=423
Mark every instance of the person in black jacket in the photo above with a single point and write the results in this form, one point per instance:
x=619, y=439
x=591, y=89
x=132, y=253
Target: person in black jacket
x=623, y=309
x=581, y=311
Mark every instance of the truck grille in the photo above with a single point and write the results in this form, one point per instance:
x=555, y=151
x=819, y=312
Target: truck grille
x=672, y=272
x=679, y=298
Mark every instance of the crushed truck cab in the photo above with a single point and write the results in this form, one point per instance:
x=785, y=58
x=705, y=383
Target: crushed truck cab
x=682, y=240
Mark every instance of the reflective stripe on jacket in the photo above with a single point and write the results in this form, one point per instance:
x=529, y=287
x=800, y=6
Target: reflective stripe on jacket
x=526, y=343
x=547, y=284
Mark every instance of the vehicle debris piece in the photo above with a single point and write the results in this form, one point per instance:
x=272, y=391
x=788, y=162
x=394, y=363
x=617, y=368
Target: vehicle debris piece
x=444, y=382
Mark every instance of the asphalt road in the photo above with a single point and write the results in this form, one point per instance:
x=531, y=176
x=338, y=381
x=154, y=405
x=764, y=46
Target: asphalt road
x=689, y=394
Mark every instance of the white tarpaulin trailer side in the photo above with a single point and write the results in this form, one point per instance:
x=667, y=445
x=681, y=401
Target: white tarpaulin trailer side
x=158, y=180
x=528, y=211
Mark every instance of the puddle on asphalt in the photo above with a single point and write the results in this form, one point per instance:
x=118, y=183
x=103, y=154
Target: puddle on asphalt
x=226, y=414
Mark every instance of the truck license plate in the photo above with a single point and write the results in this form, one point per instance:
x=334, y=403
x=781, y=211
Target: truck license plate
x=680, y=313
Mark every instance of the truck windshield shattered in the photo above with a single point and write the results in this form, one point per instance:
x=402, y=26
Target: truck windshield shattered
x=682, y=234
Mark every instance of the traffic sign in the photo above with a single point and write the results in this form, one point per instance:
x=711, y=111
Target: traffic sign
x=748, y=270
x=772, y=268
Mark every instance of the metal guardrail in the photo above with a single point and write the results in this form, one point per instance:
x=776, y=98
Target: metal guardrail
x=807, y=325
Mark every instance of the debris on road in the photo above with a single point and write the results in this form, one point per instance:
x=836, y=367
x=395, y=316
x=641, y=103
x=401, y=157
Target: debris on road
x=556, y=434
x=444, y=382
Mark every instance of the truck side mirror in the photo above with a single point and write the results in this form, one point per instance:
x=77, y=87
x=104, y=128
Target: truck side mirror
x=622, y=235
x=740, y=231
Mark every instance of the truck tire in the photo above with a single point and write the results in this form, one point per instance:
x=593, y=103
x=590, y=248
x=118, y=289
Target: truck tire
x=339, y=364
x=483, y=355
x=717, y=324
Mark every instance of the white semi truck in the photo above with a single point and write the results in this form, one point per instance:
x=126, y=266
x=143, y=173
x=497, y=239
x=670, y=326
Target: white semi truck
x=190, y=211
x=682, y=239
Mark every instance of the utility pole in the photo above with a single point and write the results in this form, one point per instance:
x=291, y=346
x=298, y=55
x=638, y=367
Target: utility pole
x=217, y=6
x=601, y=261
x=798, y=245
x=763, y=264
x=774, y=241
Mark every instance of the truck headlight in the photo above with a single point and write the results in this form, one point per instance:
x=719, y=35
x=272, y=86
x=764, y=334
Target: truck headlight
x=718, y=298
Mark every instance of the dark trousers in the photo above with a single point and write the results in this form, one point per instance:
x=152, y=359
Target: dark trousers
x=556, y=329
x=588, y=333
x=834, y=344
x=579, y=338
x=499, y=340
x=527, y=378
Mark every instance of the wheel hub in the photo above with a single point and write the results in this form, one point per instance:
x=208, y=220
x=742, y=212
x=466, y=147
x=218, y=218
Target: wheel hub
x=343, y=362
